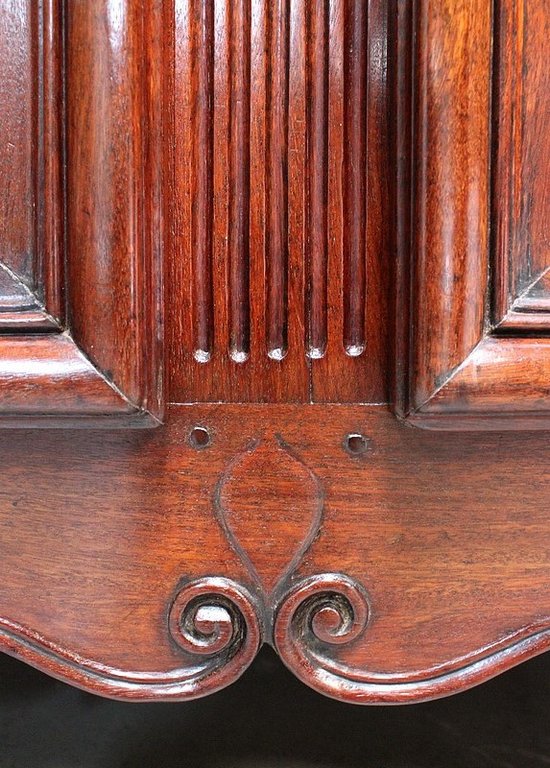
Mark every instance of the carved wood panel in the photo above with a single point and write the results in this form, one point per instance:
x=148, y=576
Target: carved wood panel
x=151, y=565
x=245, y=147
x=81, y=141
x=277, y=285
x=460, y=366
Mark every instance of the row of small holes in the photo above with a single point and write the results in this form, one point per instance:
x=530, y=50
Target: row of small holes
x=354, y=443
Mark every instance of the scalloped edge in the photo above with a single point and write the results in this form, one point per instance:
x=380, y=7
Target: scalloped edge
x=68, y=667
x=183, y=684
x=342, y=687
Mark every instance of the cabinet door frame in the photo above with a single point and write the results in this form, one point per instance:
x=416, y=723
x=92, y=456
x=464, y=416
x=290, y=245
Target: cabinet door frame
x=90, y=352
x=458, y=369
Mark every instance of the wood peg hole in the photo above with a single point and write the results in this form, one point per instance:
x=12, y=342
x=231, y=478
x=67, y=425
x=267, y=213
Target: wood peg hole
x=200, y=438
x=356, y=444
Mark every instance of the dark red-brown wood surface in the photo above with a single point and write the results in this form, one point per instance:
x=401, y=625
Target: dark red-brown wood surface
x=83, y=93
x=113, y=178
x=277, y=267
x=30, y=166
x=522, y=164
x=449, y=538
x=470, y=102
x=230, y=166
x=18, y=32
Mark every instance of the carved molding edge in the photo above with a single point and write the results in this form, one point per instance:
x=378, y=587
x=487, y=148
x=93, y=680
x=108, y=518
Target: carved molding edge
x=217, y=625
x=306, y=619
x=308, y=623
x=213, y=621
x=304, y=636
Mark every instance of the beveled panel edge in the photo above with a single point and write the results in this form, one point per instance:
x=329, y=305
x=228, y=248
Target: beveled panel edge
x=120, y=382
x=20, y=307
x=46, y=380
x=447, y=351
x=502, y=385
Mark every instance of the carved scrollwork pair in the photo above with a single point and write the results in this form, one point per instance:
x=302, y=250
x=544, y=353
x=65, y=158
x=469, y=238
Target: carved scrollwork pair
x=224, y=622
x=270, y=506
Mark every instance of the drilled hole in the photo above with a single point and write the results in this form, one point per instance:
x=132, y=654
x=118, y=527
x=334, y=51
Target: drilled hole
x=200, y=437
x=356, y=444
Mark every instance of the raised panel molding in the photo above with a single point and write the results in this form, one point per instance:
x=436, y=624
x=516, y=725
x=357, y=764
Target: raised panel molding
x=97, y=359
x=456, y=368
x=245, y=148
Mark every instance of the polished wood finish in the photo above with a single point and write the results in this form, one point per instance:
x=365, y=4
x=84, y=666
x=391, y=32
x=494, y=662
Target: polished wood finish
x=301, y=173
x=522, y=171
x=277, y=273
x=18, y=32
x=141, y=566
x=102, y=364
x=30, y=167
x=463, y=372
x=114, y=223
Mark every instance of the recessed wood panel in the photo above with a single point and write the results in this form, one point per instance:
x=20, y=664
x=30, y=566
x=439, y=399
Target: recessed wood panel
x=522, y=166
x=458, y=367
x=100, y=67
x=31, y=110
x=278, y=270
x=19, y=27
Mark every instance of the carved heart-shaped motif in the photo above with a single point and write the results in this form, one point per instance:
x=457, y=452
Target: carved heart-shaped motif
x=270, y=505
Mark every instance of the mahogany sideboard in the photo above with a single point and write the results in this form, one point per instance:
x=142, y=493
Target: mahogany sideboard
x=275, y=342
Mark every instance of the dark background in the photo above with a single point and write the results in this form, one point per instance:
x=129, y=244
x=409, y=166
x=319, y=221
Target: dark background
x=269, y=719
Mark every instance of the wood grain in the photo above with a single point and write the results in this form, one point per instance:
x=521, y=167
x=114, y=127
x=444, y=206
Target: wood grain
x=317, y=178
x=202, y=211
x=456, y=369
x=239, y=193
x=45, y=375
x=30, y=166
x=110, y=170
x=355, y=96
x=101, y=532
x=50, y=208
x=270, y=182
x=106, y=356
x=247, y=148
x=18, y=97
x=339, y=377
x=522, y=173
x=452, y=196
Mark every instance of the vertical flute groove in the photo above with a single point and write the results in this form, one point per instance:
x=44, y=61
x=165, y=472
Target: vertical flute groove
x=317, y=175
x=202, y=202
x=277, y=180
x=354, y=181
x=239, y=192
